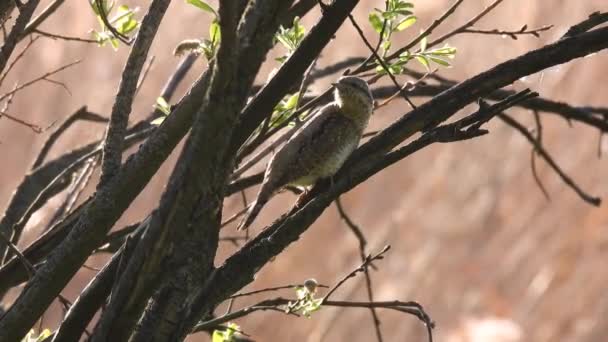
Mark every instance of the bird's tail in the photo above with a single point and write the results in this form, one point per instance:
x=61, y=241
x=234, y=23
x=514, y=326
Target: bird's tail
x=255, y=209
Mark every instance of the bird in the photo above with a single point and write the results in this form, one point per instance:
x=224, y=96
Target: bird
x=320, y=148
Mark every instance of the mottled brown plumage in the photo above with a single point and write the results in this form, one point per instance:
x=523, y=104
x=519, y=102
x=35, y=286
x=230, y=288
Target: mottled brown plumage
x=320, y=148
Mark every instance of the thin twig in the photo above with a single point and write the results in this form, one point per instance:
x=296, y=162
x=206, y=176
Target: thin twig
x=40, y=18
x=39, y=78
x=368, y=279
x=368, y=260
x=81, y=114
x=64, y=37
x=466, y=25
x=77, y=187
x=381, y=61
x=511, y=34
x=271, y=289
x=33, y=127
x=596, y=201
x=408, y=86
x=18, y=58
x=426, y=32
x=26, y=263
x=10, y=41
x=533, y=153
x=353, y=227
x=104, y=19
x=145, y=74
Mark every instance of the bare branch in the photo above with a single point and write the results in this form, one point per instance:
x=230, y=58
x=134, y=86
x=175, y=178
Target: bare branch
x=38, y=79
x=25, y=13
x=511, y=34
x=547, y=157
x=26, y=263
x=34, y=23
x=466, y=25
x=81, y=114
x=112, y=149
x=64, y=37
x=37, y=129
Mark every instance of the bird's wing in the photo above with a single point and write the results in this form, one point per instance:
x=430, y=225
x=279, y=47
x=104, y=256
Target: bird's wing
x=328, y=138
x=317, y=150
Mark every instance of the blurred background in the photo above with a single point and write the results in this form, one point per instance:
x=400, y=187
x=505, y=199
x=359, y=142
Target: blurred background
x=473, y=238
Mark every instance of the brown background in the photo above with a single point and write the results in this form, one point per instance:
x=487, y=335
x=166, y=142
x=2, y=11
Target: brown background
x=473, y=238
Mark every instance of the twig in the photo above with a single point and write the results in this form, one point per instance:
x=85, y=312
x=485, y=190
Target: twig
x=235, y=216
x=25, y=13
x=266, y=305
x=424, y=33
x=121, y=109
x=78, y=185
x=64, y=37
x=407, y=86
x=61, y=84
x=511, y=34
x=596, y=201
x=353, y=227
x=33, y=127
x=18, y=58
x=26, y=263
x=466, y=25
x=271, y=289
x=145, y=74
x=368, y=260
x=81, y=114
x=411, y=308
x=104, y=19
x=39, y=78
x=234, y=239
x=381, y=61
x=533, y=153
x=34, y=23
x=368, y=280
x=594, y=19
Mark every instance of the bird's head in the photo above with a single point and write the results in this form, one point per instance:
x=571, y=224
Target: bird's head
x=354, y=97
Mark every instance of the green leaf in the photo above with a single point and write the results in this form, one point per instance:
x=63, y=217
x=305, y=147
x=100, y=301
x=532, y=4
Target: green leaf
x=218, y=336
x=158, y=121
x=407, y=22
x=445, y=51
x=202, y=5
x=163, y=106
x=390, y=15
x=386, y=45
x=214, y=31
x=404, y=4
x=423, y=60
x=404, y=12
x=423, y=43
x=292, y=37
x=439, y=61
x=292, y=101
x=376, y=22
x=115, y=43
x=286, y=42
x=31, y=337
x=225, y=335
